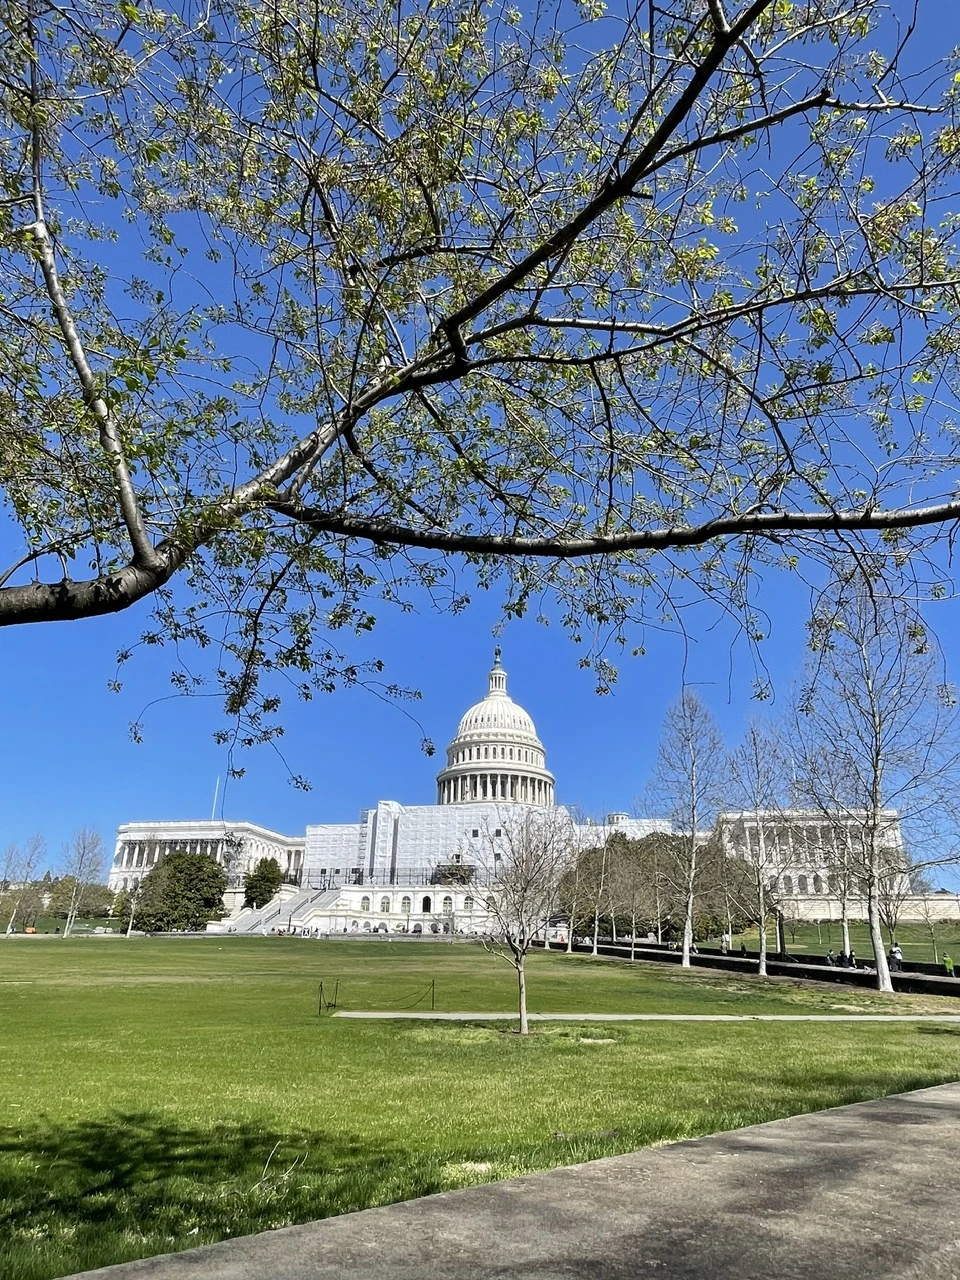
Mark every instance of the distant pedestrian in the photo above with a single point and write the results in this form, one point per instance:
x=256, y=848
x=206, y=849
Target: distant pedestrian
x=723, y=946
x=948, y=965
x=831, y=958
x=897, y=955
x=743, y=949
x=853, y=959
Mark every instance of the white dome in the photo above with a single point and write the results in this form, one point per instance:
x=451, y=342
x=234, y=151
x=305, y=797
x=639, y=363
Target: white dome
x=496, y=753
x=499, y=713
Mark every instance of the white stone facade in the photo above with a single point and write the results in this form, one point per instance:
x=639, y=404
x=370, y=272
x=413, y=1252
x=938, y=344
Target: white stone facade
x=806, y=853
x=237, y=846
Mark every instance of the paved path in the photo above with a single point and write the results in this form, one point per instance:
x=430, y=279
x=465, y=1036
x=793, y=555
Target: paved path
x=651, y=1017
x=861, y=1191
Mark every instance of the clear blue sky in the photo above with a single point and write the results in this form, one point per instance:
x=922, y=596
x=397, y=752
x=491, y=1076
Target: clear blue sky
x=67, y=759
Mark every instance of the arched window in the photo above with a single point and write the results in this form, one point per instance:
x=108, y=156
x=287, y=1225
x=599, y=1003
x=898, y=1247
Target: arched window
x=773, y=884
x=817, y=884
x=801, y=884
x=405, y=905
x=364, y=903
x=468, y=903
x=832, y=884
x=384, y=906
x=447, y=904
x=425, y=905
x=788, y=884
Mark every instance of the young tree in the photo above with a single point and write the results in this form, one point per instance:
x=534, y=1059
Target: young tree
x=755, y=773
x=687, y=785
x=536, y=851
x=879, y=737
x=82, y=866
x=184, y=891
x=436, y=252
x=20, y=866
x=262, y=883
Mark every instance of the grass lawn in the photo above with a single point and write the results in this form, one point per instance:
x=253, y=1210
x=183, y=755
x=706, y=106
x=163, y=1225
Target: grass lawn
x=158, y=1094
x=914, y=939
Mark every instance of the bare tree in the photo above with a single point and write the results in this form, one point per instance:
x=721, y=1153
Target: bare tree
x=879, y=729
x=83, y=862
x=687, y=785
x=755, y=772
x=536, y=849
x=20, y=866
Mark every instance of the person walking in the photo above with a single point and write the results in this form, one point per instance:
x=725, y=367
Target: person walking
x=948, y=965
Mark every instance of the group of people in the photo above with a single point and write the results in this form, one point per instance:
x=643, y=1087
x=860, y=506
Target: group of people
x=845, y=960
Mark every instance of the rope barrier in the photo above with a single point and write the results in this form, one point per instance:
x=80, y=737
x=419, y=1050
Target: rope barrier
x=409, y=1001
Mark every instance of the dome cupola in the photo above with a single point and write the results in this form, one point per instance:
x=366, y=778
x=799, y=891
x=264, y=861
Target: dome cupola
x=496, y=754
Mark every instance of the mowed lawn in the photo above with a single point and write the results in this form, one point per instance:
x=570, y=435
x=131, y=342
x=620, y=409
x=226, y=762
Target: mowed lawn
x=159, y=1094
x=914, y=939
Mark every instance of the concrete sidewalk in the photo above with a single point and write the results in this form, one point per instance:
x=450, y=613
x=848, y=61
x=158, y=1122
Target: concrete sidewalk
x=865, y=1192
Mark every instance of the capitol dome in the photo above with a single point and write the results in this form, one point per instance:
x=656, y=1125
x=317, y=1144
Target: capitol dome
x=496, y=754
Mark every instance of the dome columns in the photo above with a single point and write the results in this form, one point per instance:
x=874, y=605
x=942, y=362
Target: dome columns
x=496, y=755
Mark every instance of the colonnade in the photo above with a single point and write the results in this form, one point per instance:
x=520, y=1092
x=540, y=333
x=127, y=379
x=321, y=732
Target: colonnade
x=517, y=787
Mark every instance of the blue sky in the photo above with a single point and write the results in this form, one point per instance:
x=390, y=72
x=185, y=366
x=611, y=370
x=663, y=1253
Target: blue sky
x=68, y=759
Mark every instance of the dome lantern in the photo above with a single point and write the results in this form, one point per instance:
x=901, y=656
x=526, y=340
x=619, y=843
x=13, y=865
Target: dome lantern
x=496, y=754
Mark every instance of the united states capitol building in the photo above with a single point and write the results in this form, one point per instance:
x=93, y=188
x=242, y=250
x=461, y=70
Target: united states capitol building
x=421, y=868
x=410, y=868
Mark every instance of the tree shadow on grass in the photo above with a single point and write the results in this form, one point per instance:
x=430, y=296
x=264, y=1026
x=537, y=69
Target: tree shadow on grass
x=133, y=1185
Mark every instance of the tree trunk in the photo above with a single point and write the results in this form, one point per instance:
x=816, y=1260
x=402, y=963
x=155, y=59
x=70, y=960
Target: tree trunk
x=781, y=936
x=687, y=931
x=656, y=891
x=596, y=927
x=884, y=981
x=844, y=923
x=570, y=924
x=522, y=997
x=762, y=914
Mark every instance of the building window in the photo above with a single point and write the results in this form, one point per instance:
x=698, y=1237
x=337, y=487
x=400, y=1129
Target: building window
x=498, y=832
x=788, y=884
x=773, y=884
x=447, y=904
x=384, y=906
x=425, y=906
x=364, y=904
x=468, y=903
x=405, y=905
x=817, y=885
x=801, y=884
x=475, y=832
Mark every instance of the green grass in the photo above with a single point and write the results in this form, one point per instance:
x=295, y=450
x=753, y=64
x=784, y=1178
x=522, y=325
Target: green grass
x=83, y=924
x=914, y=939
x=159, y=1094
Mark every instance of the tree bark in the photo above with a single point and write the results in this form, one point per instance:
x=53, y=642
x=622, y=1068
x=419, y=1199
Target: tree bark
x=762, y=916
x=522, y=997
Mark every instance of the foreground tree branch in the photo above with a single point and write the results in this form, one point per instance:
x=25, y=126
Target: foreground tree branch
x=363, y=299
